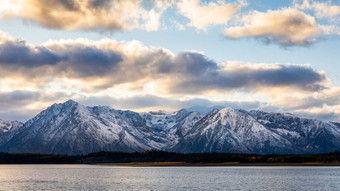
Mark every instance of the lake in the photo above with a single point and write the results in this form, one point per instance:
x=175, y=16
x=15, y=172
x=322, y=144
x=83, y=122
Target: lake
x=92, y=177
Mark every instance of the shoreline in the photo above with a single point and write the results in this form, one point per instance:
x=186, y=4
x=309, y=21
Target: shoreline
x=184, y=164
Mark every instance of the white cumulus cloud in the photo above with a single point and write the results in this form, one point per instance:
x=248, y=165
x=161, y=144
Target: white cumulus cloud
x=203, y=15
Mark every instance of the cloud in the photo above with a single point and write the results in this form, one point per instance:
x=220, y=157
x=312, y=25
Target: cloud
x=150, y=102
x=203, y=15
x=21, y=114
x=88, y=14
x=34, y=66
x=323, y=10
x=323, y=114
x=243, y=76
x=188, y=63
x=88, y=61
x=18, y=98
x=19, y=53
x=107, y=64
x=287, y=27
x=325, y=98
x=328, y=13
x=177, y=25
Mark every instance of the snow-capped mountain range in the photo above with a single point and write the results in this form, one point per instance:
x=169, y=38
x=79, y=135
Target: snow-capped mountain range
x=72, y=128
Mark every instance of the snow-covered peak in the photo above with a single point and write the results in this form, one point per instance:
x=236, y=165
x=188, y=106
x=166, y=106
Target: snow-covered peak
x=56, y=108
x=204, y=109
x=227, y=110
x=213, y=111
x=70, y=102
x=225, y=114
x=228, y=116
x=5, y=126
x=181, y=113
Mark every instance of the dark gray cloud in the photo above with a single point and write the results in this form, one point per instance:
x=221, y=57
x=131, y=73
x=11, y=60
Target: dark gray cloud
x=90, y=61
x=194, y=73
x=78, y=60
x=10, y=100
x=248, y=77
x=188, y=63
x=99, y=3
x=285, y=42
x=20, y=54
x=70, y=5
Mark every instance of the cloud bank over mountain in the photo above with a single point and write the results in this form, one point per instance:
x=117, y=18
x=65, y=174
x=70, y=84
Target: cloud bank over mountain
x=130, y=72
x=111, y=63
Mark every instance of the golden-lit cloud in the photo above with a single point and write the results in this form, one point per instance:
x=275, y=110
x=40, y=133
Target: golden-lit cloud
x=322, y=9
x=286, y=27
x=327, y=12
x=88, y=14
x=302, y=101
x=203, y=15
x=325, y=113
x=323, y=104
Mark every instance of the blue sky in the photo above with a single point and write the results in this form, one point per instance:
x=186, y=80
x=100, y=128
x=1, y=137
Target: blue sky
x=280, y=56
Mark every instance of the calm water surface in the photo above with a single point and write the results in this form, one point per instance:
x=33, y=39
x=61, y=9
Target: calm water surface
x=88, y=177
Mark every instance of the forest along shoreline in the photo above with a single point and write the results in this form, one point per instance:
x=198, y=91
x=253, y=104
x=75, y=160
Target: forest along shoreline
x=162, y=158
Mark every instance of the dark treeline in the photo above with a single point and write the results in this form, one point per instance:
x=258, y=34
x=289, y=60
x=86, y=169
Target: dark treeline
x=162, y=156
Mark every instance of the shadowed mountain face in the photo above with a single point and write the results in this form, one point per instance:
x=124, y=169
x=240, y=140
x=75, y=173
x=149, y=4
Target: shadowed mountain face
x=71, y=128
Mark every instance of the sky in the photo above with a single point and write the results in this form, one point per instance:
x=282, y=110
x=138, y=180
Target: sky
x=143, y=55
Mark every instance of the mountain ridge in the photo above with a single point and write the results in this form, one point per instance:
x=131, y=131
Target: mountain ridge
x=72, y=128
